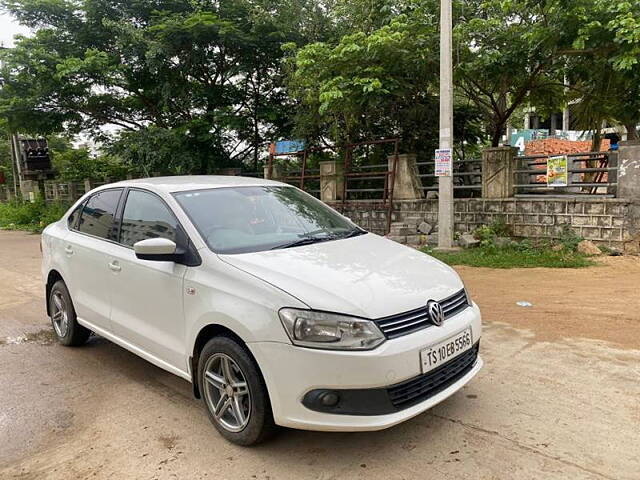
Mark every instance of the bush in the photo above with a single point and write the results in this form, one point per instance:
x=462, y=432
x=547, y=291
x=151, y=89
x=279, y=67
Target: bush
x=523, y=254
x=488, y=233
x=569, y=239
x=517, y=254
x=31, y=216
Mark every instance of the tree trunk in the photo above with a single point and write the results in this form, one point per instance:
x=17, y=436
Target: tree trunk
x=596, y=141
x=496, y=135
x=632, y=131
x=204, y=167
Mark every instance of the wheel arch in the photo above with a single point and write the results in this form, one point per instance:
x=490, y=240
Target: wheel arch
x=205, y=334
x=52, y=278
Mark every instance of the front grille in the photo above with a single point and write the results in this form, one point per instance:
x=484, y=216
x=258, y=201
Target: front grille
x=418, y=389
x=414, y=320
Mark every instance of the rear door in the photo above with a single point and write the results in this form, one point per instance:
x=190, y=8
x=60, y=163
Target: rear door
x=86, y=248
x=147, y=296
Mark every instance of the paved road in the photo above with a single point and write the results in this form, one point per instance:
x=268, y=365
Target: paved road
x=559, y=396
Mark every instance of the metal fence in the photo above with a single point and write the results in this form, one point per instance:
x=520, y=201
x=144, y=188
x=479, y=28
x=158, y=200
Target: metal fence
x=365, y=181
x=307, y=179
x=467, y=177
x=359, y=180
x=593, y=173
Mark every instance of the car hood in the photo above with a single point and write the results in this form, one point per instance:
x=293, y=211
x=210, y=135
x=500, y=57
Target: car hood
x=368, y=276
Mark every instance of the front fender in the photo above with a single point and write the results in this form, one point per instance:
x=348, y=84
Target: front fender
x=219, y=294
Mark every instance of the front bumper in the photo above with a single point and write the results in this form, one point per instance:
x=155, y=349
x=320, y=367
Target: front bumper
x=291, y=372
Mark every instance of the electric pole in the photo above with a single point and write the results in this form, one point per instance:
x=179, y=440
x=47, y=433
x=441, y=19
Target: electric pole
x=445, y=183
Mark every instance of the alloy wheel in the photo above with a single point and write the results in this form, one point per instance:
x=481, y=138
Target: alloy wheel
x=60, y=317
x=227, y=392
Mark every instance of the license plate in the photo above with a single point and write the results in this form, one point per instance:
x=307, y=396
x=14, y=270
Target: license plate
x=440, y=353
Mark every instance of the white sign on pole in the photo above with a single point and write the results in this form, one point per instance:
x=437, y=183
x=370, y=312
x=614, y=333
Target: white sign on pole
x=444, y=162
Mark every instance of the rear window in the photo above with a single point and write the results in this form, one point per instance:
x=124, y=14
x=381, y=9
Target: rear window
x=98, y=214
x=72, y=220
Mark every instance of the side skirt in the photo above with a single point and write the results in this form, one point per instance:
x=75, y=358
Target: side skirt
x=136, y=350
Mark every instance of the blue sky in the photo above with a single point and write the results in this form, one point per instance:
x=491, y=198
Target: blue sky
x=8, y=28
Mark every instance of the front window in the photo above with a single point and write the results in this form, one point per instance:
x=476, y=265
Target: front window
x=146, y=216
x=253, y=219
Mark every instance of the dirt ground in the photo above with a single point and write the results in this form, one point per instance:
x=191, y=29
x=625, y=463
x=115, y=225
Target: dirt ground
x=559, y=396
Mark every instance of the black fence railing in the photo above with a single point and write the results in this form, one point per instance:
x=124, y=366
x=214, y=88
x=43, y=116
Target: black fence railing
x=593, y=173
x=467, y=177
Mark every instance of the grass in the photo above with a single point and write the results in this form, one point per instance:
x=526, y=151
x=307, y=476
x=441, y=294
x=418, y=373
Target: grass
x=32, y=217
x=520, y=255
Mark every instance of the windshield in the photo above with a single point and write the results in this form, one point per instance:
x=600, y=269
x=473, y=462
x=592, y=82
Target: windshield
x=253, y=219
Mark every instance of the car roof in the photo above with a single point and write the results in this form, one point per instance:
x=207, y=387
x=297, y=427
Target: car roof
x=196, y=182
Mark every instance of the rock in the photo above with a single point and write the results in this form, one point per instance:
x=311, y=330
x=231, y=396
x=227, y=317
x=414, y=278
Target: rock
x=431, y=195
x=413, y=222
x=432, y=239
x=468, y=241
x=398, y=238
x=413, y=240
x=614, y=252
x=587, y=247
x=502, y=242
x=425, y=228
x=399, y=229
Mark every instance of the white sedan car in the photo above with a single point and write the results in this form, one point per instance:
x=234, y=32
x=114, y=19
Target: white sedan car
x=279, y=310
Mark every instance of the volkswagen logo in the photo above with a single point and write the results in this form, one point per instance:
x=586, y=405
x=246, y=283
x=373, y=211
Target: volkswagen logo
x=436, y=314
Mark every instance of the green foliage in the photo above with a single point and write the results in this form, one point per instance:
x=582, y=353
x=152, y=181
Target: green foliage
x=519, y=255
x=78, y=164
x=507, y=57
x=569, y=239
x=196, y=86
x=209, y=68
x=30, y=216
x=369, y=85
x=488, y=233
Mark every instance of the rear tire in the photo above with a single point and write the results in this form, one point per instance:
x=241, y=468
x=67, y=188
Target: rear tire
x=234, y=393
x=63, y=317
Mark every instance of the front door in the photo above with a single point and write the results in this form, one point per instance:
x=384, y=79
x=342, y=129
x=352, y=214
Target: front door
x=147, y=296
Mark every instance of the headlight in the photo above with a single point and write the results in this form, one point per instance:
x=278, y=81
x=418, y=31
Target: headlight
x=308, y=328
x=466, y=292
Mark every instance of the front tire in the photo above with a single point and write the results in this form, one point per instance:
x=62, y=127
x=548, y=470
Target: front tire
x=234, y=392
x=63, y=317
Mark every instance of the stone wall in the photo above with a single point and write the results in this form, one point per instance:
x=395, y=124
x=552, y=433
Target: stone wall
x=606, y=221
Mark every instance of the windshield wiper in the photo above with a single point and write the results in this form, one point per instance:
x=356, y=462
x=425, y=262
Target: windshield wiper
x=353, y=233
x=308, y=240
x=303, y=241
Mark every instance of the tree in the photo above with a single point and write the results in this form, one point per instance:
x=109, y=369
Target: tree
x=605, y=62
x=77, y=164
x=211, y=70
x=507, y=56
x=372, y=85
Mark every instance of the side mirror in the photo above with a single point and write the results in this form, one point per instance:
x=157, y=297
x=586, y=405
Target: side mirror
x=156, y=249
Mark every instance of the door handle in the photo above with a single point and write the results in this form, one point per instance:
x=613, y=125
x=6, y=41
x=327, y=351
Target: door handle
x=114, y=266
x=68, y=250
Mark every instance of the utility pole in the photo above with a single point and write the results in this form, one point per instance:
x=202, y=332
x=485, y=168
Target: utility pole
x=565, y=111
x=445, y=183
